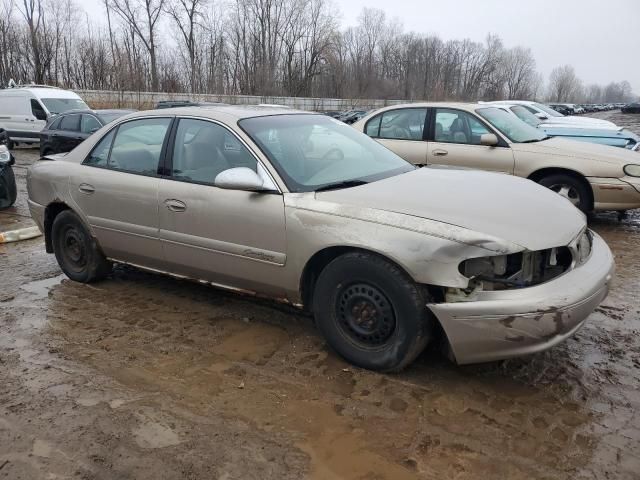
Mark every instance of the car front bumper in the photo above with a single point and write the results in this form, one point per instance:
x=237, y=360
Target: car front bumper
x=509, y=323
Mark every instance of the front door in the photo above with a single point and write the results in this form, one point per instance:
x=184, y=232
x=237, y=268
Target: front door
x=456, y=141
x=230, y=237
x=116, y=188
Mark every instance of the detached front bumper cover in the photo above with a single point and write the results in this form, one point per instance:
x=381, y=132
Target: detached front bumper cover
x=508, y=323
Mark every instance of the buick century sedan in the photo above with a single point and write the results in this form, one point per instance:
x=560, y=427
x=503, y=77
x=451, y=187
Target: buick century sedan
x=304, y=209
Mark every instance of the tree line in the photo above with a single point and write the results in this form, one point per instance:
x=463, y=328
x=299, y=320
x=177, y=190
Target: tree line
x=266, y=47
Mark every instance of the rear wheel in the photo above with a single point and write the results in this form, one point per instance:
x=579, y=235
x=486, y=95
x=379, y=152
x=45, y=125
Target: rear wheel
x=76, y=250
x=570, y=188
x=371, y=313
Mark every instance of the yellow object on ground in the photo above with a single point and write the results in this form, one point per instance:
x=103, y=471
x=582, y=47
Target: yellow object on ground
x=21, y=234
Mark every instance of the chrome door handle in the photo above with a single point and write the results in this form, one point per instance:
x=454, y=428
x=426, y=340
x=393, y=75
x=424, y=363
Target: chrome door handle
x=175, y=205
x=440, y=153
x=86, y=188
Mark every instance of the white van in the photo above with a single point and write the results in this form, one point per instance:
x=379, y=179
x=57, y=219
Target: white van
x=24, y=110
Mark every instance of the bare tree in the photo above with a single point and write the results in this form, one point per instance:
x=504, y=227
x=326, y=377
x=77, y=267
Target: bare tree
x=563, y=84
x=519, y=69
x=141, y=18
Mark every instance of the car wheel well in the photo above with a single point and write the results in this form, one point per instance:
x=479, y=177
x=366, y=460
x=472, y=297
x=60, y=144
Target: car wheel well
x=322, y=258
x=50, y=214
x=545, y=172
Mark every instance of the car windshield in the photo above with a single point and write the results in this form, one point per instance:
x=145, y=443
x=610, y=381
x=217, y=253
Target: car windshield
x=547, y=110
x=312, y=152
x=60, y=105
x=515, y=129
x=110, y=117
x=526, y=116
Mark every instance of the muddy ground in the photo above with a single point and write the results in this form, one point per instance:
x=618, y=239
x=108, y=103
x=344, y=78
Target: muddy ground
x=147, y=377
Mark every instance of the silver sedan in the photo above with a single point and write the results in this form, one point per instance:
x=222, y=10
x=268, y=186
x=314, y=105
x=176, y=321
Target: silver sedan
x=306, y=210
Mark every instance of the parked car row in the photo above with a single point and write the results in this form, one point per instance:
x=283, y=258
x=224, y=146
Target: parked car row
x=577, y=109
x=604, y=133
x=485, y=136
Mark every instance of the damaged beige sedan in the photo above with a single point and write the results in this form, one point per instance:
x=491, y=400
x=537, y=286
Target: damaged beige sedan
x=304, y=209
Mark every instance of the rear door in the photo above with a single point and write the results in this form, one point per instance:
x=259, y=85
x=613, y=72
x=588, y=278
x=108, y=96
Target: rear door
x=67, y=136
x=401, y=130
x=116, y=188
x=455, y=140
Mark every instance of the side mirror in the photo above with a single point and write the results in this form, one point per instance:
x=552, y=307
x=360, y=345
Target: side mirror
x=542, y=116
x=240, y=178
x=488, y=139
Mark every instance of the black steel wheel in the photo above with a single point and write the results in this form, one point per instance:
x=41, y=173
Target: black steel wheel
x=371, y=312
x=76, y=250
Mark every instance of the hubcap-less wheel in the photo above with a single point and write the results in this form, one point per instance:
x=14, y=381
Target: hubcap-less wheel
x=568, y=192
x=365, y=315
x=74, y=251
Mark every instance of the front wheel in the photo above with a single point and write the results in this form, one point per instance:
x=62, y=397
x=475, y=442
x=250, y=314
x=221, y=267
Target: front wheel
x=371, y=312
x=76, y=250
x=570, y=188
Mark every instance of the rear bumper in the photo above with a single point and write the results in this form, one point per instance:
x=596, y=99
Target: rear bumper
x=511, y=323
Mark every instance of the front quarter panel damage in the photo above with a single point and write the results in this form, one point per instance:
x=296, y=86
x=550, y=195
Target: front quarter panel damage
x=429, y=251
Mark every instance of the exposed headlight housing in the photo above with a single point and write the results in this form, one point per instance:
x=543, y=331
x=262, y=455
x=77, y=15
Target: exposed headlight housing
x=517, y=270
x=5, y=155
x=632, y=170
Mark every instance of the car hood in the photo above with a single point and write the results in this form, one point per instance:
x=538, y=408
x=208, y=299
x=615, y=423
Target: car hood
x=510, y=208
x=579, y=121
x=580, y=150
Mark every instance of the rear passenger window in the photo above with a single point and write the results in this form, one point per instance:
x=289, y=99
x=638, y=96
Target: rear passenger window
x=403, y=124
x=138, y=145
x=70, y=122
x=373, y=127
x=99, y=156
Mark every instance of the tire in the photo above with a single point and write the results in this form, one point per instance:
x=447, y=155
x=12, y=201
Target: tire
x=8, y=189
x=352, y=292
x=11, y=145
x=569, y=187
x=76, y=250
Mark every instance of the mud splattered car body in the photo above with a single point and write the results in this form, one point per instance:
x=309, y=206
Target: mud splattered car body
x=505, y=266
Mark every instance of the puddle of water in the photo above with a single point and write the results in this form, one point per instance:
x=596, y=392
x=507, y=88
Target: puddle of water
x=40, y=288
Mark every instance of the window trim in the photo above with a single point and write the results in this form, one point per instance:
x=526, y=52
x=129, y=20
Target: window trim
x=168, y=164
x=432, y=129
x=115, y=129
x=381, y=115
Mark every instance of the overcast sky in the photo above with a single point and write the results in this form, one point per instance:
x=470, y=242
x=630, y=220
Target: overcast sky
x=600, y=38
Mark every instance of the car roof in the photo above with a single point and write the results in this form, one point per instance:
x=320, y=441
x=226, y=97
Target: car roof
x=43, y=91
x=214, y=111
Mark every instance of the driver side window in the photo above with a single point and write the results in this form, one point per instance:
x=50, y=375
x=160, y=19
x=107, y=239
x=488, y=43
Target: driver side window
x=203, y=149
x=457, y=126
